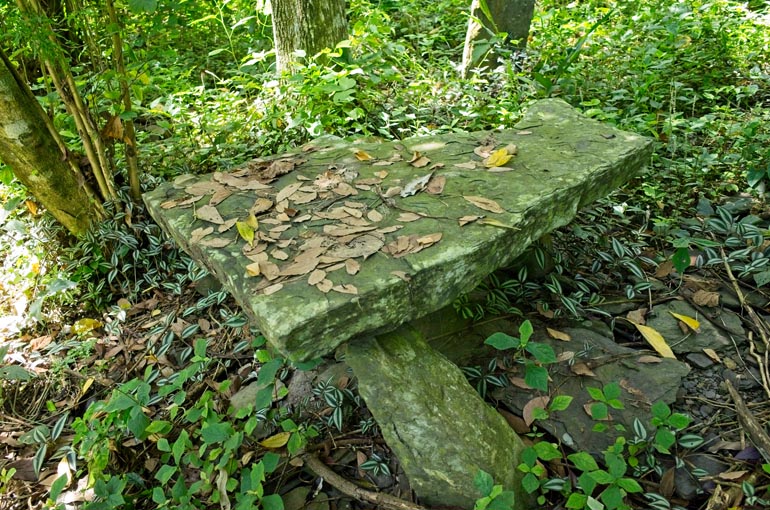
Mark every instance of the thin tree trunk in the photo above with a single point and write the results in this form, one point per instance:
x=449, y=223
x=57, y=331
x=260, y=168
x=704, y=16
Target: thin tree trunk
x=307, y=25
x=512, y=17
x=129, y=137
x=27, y=147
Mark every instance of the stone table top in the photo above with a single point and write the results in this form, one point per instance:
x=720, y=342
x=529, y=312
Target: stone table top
x=341, y=239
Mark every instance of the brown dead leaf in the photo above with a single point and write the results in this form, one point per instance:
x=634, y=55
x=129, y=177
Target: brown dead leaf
x=519, y=382
x=316, y=277
x=418, y=160
x=706, y=298
x=468, y=219
x=374, y=216
x=303, y=197
x=220, y=196
x=664, y=269
x=406, y=217
x=668, y=483
x=469, y=165
x=362, y=246
x=227, y=225
x=484, y=151
x=342, y=230
x=216, y=242
x=288, y=191
x=261, y=205
x=240, y=183
x=582, y=369
x=272, y=289
x=352, y=266
x=279, y=167
x=637, y=316
x=565, y=356
x=548, y=314
x=529, y=408
x=430, y=239
x=558, y=335
x=392, y=191
x=732, y=475
x=484, y=203
x=324, y=286
x=711, y=353
x=436, y=185
x=633, y=390
x=279, y=255
x=202, y=188
x=345, y=289
x=199, y=233
x=269, y=270
x=402, y=275
x=210, y=214
x=648, y=359
x=303, y=263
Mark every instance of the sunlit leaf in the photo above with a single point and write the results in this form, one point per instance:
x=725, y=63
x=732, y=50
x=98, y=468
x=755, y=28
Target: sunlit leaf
x=498, y=158
x=276, y=441
x=656, y=340
x=692, y=323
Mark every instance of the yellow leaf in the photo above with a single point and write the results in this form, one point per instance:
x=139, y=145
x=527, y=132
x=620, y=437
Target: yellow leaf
x=558, y=335
x=85, y=325
x=86, y=385
x=498, y=158
x=362, y=155
x=277, y=440
x=252, y=221
x=253, y=269
x=656, y=340
x=693, y=324
x=246, y=231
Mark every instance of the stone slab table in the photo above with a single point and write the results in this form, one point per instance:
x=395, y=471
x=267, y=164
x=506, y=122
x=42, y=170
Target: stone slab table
x=347, y=241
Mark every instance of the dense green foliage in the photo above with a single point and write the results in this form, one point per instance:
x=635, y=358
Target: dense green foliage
x=694, y=75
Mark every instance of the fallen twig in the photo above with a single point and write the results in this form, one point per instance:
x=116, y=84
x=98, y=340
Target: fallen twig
x=761, y=327
x=755, y=430
x=382, y=500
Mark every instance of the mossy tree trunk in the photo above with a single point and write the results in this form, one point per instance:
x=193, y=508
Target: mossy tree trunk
x=307, y=25
x=29, y=148
x=490, y=18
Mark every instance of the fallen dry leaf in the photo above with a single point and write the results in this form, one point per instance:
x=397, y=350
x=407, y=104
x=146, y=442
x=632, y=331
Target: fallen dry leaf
x=484, y=203
x=656, y=340
x=253, y=269
x=706, y=298
x=419, y=161
x=529, y=408
x=324, y=286
x=582, y=369
x=352, y=266
x=558, y=335
x=470, y=165
x=637, y=316
x=416, y=185
x=711, y=353
x=664, y=269
x=216, y=242
x=648, y=359
x=406, y=217
x=436, y=185
x=199, y=233
x=272, y=289
x=316, y=277
x=374, y=216
x=498, y=158
x=210, y=214
x=345, y=289
x=691, y=323
x=362, y=155
x=468, y=219
x=288, y=191
x=484, y=151
x=402, y=275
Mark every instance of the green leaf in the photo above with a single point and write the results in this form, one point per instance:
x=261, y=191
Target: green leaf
x=139, y=6
x=482, y=503
x=681, y=260
x=530, y=483
x=660, y=410
x=39, y=459
x=612, y=497
x=270, y=460
x=158, y=427
x=596, y=393
x=629, y=485
x=547, y=451
x=216, y=432
x=560, y=403
x=138, y=422
x=612, y=391
x=502, y=342
x=272, y=502
x=542, y=352
x=503, y=501
x=536, y=377
x=762, y=278
x=664, y=440
x=525, y=331
x=15, y=373
x=599, y=411
x=180, y=445
x=616, y=464
x=691, y=441
x=583, y=461
x=57, y=486
x=679, y=421
x=163, y=445
x=587, y=483
x=483, y=482
x=576, y=501
x=602, y=477
x=529, y=456
x=165, y=473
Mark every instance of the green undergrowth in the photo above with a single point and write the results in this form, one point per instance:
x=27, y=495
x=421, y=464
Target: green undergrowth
x=692, y=75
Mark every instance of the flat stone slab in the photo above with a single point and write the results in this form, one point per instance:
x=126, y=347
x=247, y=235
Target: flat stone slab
x=345, y=238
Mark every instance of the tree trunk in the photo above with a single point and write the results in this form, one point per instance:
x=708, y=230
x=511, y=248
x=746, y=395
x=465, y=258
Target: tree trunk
x=307, y=25
x=29, y=149
x=511, y=17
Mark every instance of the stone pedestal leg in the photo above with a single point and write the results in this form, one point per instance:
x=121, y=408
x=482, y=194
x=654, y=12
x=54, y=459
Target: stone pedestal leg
x=440, y=429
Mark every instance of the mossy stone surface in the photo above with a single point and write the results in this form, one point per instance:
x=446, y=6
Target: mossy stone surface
x=440, y=429
x=564, y=161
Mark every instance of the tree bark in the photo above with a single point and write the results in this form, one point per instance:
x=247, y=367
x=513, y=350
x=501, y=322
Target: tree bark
x=307, y=25
x=512, y=17
x=29, y=149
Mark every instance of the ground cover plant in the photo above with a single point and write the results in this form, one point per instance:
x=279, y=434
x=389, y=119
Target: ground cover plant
x=121, y=359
